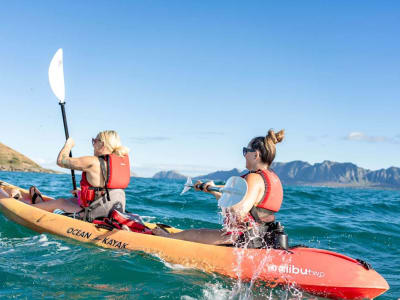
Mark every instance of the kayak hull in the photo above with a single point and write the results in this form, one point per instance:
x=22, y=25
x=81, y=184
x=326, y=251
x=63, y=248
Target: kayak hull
x=316, y=271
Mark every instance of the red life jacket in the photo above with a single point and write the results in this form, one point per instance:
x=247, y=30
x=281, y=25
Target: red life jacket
x=272, y=199
x=87, y=194
x=117, y=176
x=273, y=195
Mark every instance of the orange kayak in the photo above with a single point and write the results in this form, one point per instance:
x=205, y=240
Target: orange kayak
x=319, y=272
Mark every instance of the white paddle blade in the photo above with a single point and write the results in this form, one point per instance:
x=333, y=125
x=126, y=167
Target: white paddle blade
x=56, y=75
x=187, y=186
x=234, y=191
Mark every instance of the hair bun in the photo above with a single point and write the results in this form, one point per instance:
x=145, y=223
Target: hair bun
x=275, y=137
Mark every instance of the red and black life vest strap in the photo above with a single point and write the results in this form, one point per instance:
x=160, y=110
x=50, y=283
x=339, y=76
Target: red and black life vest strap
x=105, y=173
x=97, y=189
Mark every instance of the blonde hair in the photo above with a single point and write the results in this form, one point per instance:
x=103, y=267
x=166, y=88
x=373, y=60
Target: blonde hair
x=112, y=142
x=266, y=145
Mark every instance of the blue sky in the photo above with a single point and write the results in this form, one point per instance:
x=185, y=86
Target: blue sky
x=188, y=83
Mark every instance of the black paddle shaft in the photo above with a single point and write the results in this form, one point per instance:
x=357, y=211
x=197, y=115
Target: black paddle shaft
x=210, y=188
x=62, y=104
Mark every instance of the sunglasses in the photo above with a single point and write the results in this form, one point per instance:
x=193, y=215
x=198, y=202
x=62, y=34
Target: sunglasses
x=246, y=150
x=94, y=141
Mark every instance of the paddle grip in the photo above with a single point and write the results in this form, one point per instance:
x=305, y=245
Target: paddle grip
x=210, y=188
x=66, y=138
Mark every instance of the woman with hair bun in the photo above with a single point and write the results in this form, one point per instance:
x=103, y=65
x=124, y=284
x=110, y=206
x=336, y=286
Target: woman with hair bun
x=251, y=218
x=105, y=175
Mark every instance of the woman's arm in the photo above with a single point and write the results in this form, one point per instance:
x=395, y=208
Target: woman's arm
x=80, y=163
x=207, y=184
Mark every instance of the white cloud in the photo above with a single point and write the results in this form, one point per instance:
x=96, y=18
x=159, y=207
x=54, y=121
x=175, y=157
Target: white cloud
x=360, y=136
x=356, y=136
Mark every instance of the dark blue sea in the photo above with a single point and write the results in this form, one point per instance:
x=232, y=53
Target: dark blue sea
x=361, y=223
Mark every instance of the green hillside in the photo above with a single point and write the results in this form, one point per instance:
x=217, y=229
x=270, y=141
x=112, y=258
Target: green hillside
x=11, y=160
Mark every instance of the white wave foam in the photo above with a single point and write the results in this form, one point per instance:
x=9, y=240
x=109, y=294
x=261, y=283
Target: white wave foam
x=147, y=218
x=171, y=265
x=7, y=251
x=212, y=291
x=175, y=266
x=43, y=238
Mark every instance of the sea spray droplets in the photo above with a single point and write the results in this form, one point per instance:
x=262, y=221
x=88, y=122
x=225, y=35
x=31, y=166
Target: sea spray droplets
x=243, y=237
x=241, y=241
x=216, y=291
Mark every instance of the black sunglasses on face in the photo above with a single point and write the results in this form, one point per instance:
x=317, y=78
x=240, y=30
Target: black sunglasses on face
x=246, y=150
x=94, y=141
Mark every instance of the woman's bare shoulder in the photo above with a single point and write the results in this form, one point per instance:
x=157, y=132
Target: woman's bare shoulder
x=254, y=178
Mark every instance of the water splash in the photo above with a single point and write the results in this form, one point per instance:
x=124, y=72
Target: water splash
x=243, y=239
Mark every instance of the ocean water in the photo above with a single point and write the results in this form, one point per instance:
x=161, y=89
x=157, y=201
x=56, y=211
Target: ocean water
x=361, y=223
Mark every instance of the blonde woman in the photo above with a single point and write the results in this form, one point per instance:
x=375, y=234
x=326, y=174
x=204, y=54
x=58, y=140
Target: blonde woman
x=105, y=175
x=253, y=216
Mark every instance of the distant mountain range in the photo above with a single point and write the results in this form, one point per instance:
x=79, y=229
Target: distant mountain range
x=327, y=173
x=336, y=174
x=168, y=175
x=11, y=160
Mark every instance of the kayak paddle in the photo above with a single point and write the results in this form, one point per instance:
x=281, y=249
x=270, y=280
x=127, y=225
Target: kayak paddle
x=56, y=79
x=232, y=193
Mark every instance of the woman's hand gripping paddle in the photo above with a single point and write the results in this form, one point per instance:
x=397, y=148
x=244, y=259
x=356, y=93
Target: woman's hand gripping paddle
x=232, y=193
x=56, y=79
